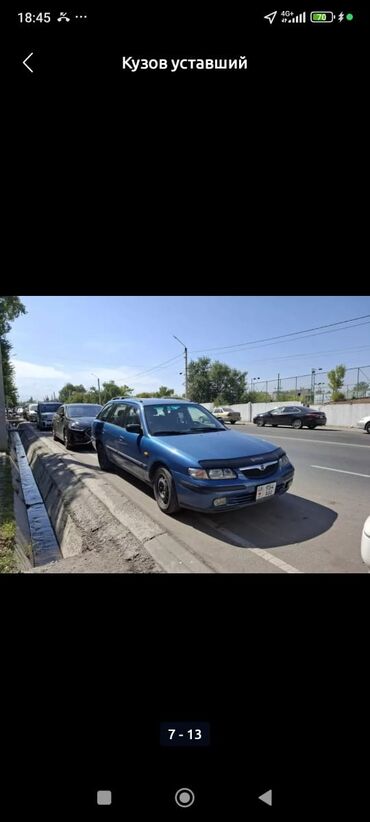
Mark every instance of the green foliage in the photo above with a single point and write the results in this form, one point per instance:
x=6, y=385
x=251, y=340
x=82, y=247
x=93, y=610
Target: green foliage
x=68, y=390
x=10, y=309
x=10, y=388
x=110, y=390
x=336, y=379
x=257, y=396
x=208, y=380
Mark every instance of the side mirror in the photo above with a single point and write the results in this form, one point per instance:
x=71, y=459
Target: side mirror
x=134, y=429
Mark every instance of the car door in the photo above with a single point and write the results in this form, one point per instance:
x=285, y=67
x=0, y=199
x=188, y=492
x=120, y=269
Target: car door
x=113, y=434
x=276, y=417
x=58, y=421
x=131, y=445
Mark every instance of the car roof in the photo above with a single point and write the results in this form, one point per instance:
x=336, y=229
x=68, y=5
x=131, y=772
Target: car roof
x=152, y=400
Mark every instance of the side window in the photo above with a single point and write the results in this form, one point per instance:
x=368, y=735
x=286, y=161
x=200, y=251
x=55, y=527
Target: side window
x=133, y=416
x=104, y=413
x=119, y=414
x=198, y=417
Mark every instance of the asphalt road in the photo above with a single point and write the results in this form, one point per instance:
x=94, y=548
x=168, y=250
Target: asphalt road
x=316, y=527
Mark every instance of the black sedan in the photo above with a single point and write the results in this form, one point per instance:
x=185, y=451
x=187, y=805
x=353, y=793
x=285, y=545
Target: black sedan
x=295, y=415
x=72, y=423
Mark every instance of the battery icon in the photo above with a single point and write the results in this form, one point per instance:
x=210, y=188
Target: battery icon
x=321, y=16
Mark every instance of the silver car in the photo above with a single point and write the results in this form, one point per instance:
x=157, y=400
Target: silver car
x=364, y=423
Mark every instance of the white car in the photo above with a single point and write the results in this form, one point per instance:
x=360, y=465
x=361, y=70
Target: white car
x=365, y=543
x=364, y=423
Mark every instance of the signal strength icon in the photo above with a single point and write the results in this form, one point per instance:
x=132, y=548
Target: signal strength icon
x=300, y=18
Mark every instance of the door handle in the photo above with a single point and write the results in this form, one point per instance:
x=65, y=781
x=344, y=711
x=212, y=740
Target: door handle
x=122, y=439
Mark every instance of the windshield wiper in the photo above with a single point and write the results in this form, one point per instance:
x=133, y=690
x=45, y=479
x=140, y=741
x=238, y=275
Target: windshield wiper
x=168, y=433
x=206, y=428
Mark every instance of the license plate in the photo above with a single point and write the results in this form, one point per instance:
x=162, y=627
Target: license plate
x=265, y=490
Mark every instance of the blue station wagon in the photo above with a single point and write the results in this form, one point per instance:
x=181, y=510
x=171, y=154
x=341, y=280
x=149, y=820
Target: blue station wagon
x=189, y=458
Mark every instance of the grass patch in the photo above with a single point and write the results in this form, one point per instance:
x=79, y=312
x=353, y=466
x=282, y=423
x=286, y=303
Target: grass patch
x=7, y=520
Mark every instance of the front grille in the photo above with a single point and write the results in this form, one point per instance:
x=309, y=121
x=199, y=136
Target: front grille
x=253, y=473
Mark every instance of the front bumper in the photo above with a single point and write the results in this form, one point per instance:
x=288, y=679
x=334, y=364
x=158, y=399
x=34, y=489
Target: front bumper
x=199, y=495
x=80, y=436
x=45, y=424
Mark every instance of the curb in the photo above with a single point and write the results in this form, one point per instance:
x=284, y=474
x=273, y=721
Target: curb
x=87, y=512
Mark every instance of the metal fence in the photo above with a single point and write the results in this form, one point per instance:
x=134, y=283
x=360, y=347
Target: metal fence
x=313, y=387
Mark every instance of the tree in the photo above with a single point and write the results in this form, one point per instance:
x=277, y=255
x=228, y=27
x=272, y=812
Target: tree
x=210, y=380
x=199, y=387
x=66, y=393
x=110, y=390
x=163, y=391
x=10, y=309
x=336, y=380
x=226, y=382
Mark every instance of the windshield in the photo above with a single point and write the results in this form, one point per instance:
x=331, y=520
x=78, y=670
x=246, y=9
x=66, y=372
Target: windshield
x=176, y=418
x=49, y=407
x=85, y=410
x=33, y=406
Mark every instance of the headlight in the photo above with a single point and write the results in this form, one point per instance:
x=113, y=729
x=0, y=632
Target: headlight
x=221, y=473
x=212, y=473
x=75, y=424
x=284, y=461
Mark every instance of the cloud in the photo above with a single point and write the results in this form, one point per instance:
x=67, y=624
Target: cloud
x=38, y=381
x=29, y=370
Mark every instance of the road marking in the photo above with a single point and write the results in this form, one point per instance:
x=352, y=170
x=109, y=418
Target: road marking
x=322, y=442
x=261, y=552
x=340, y=471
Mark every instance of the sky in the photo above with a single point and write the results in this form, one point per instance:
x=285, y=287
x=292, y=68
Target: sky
x=77, y=339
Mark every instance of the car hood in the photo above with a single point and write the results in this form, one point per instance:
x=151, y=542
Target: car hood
x=217, y=445
x=84, y=422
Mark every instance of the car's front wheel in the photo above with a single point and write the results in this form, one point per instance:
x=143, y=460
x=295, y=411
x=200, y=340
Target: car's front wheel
x=260, y=423
x=233, y=422
x=297, y=424
x=165, y=491
x=104, y=463
x=367, y=427
x=67, y=440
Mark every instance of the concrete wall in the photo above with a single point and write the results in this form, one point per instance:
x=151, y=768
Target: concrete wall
x=339, y=414
x=344, y=413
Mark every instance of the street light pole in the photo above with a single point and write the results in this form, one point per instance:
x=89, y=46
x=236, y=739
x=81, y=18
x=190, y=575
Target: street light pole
x=95, y=375
x=186, y=364
x=313, y=372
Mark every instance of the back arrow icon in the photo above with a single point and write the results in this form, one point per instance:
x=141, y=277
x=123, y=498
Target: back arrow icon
x=25, y=62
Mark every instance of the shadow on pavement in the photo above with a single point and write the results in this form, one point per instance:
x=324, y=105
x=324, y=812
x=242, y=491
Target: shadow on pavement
x=272, y=524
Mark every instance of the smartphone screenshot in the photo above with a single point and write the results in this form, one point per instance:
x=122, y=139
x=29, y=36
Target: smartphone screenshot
x=185, y=412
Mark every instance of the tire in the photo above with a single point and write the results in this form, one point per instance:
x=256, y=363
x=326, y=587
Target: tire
x=260, y=423
x=232, y=422
x=311, y=427
x=165, y=491
x=67, y=440
x=54, y=435
x=274, y=425
x=104, y=463
x=297, y=424
x=367, y=427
